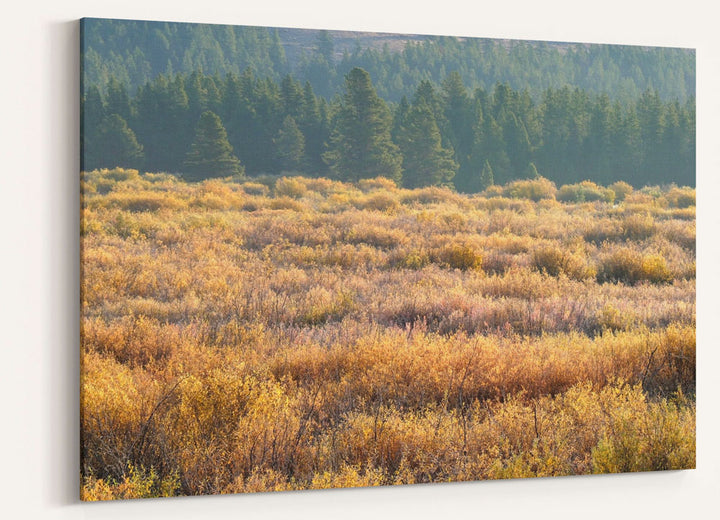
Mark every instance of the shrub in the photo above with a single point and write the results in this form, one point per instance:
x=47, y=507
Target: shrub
x=621, y=189
x=457, y=256
x=681, y=197
x=431, y=195
x=290, y=187
x=376, y=236
x=533, y=189
x=646, y=436
x=282, y=203
x=378, y=183
x=554, y=260
x=638, y=227
x=380, y=201
x=144, y=201
x=586, y=191
x=136, y=483
x=232, y=351
x=493, y=191
x=325, y=186
x=629, y=266
x=621, y=265
x=121, y=174
x=413, y=258
x=654, y=269
x=255, y=188
x=612, y=318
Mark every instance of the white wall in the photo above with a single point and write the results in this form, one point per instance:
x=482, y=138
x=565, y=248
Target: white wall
x=39, y=259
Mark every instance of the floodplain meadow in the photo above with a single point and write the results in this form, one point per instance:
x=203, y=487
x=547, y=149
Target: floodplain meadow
x=300, y=333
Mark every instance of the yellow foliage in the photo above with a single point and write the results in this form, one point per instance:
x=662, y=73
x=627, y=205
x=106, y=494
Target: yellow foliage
x=323, y=334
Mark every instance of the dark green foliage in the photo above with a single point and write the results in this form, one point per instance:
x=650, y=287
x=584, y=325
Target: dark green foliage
x=118, y=100
x=361, y=144
x=210, y=154
x=459, y=125
x=531, y=172
x=425, y=161
x=114, y=144
x=135, y=52
x=314, y=123
x=597, y=112
x=570, y=136
x=290, y=145
x=92, y=113
x=487, y=178
x=162, y=123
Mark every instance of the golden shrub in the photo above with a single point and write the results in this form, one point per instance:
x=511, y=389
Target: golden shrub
x=378, y=183
x=379, y=201
x=681, y=197
x=553, y=260
x=290, y=187
x=585, y=191
x=457, y=256
x=533, y=189
x=621, y=189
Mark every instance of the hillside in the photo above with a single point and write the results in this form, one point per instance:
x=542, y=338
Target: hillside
x=137, y=51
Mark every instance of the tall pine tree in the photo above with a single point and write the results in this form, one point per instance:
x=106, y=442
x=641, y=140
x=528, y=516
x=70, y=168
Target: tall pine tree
x=425, y=161
x=290, y=146
x=211, y=154
x=361, y=146
x=114, y=144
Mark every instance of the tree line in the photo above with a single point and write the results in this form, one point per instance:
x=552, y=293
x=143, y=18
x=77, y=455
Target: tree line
x=201, y=125
x=135, y=52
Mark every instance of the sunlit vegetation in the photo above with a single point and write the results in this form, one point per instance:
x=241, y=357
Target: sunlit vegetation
x=298, y=333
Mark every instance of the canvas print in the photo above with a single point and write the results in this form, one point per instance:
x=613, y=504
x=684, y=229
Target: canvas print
x=322, y=259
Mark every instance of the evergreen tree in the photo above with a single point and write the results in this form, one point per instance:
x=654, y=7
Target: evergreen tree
x=315, y=127
x=399, y=118
x=652, y=124
x=114, y=145
x=268, y=110
x=672, y=144
x=686, y=176
x=291, y=97
x=118, y=100
x=486, y=176
x=630, y=155
x=211, y=154
x=598, y=145
x=92, y=110
x=161, y=123
x=425, y=161
x=197, y=96
x=531, y=172
x=519, y=149
x=325, y=45
x=492, y=148
x=361, y=145
x=425, y=94
x=460, y=116
x=290, y=146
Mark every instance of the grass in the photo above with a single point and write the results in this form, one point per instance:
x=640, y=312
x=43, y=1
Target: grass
x=307, y=333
